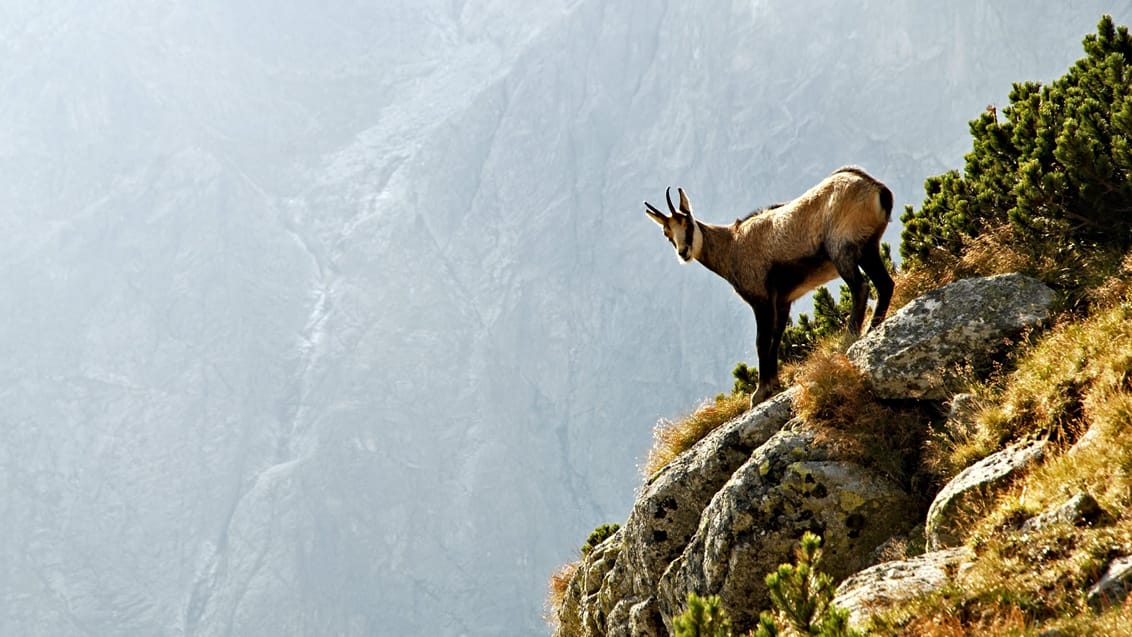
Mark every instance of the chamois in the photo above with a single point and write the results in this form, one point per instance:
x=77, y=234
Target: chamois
x=776, y=255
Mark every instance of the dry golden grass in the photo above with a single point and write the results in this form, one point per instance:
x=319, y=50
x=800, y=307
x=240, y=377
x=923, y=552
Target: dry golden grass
x=556, y=591
x=1115, y=622
x=992, y=252
x=1075, y=365
x=671, y=438
x=1078, y=376
x=835, y=399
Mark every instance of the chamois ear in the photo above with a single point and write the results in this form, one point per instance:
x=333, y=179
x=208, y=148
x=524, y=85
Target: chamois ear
x=655, y=214
x=668, y=197
x=685, y=207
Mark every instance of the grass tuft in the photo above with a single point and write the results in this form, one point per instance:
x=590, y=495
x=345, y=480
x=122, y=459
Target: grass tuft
x=992, y=252
x=671, y=438
x=1076, y=378
x=834, y=397
x=557, y=587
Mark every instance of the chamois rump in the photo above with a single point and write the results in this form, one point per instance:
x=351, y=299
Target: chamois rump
x=780, y=253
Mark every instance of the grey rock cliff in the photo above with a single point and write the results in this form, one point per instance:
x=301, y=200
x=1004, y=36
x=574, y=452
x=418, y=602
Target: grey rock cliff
x=790, y=485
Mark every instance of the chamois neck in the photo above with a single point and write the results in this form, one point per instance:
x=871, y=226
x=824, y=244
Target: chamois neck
x=715, y=248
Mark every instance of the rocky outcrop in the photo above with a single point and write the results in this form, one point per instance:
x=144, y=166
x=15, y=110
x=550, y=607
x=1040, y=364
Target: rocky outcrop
x=944, y=525
x=732, y=508
x=790, y=485
x=667, y=513
x=911, y=353
x=1080, y=510
x=618, y=595
x=884, y=585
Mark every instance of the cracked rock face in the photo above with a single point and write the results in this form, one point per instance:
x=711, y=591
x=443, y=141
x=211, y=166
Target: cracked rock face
x=614, y=590
x=789, y=486
x=668, y=512
x=912, y=353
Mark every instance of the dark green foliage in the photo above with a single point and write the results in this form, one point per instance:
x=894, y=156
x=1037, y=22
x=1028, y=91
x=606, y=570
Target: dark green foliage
x=746, y=379
x=802, y=598
x=830, y=317
x=599, y=535
x=704, y=617
x=1054, y=166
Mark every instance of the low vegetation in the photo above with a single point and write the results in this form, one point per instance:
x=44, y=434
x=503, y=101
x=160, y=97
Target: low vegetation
x=801, y=594
x=671, y=438
x=1046, y=189
x=1076, y=379
x=835, y=399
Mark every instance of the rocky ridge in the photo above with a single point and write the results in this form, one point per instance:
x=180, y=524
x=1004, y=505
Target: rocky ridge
x=730, y=509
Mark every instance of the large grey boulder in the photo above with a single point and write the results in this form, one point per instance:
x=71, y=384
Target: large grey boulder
x=943, y=527
x=887, y=584
x=667, y=512
x=912, y=352
x=790, y=485
x=613, y=592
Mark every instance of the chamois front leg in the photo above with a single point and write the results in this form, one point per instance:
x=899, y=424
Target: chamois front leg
x=782, y=314
x=766, y=328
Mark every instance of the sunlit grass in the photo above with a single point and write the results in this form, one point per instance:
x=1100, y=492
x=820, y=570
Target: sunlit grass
x=557, y=587
x=1077, y=364
x=671, y=438
x=1075, y=379
x=835, y=399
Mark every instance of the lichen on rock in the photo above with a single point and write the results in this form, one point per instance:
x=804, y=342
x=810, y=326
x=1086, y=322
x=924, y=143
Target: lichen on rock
x=913, y=353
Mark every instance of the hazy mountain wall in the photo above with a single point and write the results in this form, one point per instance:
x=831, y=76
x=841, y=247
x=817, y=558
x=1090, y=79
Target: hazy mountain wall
x=347, y=320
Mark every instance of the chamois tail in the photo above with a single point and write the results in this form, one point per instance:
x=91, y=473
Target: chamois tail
x=886, y=202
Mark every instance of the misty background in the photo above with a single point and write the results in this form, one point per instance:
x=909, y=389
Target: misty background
x=345, y=319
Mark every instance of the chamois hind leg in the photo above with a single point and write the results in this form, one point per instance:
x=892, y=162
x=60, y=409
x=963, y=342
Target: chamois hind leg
x=766, y=327
x=846, y=261
x=873, y=265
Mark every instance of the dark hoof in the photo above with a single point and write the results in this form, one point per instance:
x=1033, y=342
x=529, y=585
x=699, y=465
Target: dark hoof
x=762, y=394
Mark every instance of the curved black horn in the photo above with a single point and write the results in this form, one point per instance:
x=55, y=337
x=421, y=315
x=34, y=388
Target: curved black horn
x=668, y=198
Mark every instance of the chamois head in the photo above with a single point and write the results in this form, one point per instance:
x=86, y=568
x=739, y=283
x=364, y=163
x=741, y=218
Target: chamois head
x=680, y=229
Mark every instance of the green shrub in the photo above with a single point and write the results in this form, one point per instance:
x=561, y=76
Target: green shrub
x=1053, y=169
x=802, y=597
x=746, y=379
x=704, y=617
x=599, y=535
